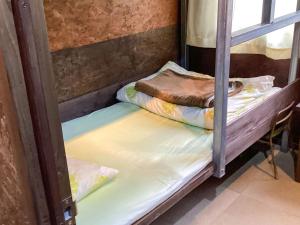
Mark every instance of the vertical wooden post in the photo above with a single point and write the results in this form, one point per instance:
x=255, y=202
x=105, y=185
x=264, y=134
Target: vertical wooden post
x=33, y=41
x=12, y=62
x=184, y=50
x=295, y=50
x=222, y=68
x=268, y=11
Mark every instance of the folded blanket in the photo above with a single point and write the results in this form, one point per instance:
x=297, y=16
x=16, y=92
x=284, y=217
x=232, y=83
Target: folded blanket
x=184, y=90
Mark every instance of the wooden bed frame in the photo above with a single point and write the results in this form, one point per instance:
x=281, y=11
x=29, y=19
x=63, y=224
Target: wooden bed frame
x=229, y=140
x=240, y=136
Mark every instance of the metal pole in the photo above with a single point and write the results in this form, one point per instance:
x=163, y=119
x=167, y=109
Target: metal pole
x=268, y=11
x=222, y=68
x=295, y=50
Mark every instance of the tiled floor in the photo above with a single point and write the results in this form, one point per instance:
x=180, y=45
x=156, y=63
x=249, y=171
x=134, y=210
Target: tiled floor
x=247, y=196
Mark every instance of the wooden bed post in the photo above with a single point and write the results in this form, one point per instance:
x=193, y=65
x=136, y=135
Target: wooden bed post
x=37, y=66
x=295, y=50
x=222, y=68
x=24, y=132
x=184, y=49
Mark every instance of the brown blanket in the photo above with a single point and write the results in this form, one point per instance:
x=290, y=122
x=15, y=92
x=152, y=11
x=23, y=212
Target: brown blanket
x=184, y=90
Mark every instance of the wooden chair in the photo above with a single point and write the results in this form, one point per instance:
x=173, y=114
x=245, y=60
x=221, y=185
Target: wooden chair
x=281, y=124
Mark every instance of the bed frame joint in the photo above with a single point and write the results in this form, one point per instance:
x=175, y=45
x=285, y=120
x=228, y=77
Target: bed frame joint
x=69, y=211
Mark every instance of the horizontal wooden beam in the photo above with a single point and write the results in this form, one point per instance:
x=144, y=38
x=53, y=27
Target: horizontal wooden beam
x=256, y=31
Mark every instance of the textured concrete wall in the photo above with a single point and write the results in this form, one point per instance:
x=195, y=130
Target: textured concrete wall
x=81, y=70
x=96, y=44
x=73, y=23
x=15, y=198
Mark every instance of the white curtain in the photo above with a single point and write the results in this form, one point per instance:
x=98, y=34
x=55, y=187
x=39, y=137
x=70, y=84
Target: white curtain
x=202, y=26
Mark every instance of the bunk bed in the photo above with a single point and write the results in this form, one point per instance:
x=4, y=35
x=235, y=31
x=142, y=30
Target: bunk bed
x=160, y=160
x=227, y=140
x=174, y=158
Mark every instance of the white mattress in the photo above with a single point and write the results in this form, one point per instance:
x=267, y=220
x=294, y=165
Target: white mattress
x=154, y=155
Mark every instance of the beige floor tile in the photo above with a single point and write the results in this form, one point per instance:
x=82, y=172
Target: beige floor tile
x=284, y=172
x=193, y=204
x=253, y=173
x=216, y=208
x=283, y=195
x=249, y=196
x=261, y=172
x=248, y=211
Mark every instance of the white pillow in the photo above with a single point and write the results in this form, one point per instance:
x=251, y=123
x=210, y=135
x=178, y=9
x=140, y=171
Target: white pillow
x=262, y=83
x=86, y=177
x=255, y=89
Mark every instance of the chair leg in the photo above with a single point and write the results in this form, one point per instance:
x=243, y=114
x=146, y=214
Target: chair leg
x=266, y=155
x=274, y=163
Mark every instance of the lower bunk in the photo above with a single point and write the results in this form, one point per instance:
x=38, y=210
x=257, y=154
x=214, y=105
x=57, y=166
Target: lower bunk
x=159, y=160
x=155, y=158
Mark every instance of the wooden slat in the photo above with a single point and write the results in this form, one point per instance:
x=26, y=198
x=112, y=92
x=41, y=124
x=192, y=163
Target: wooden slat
x=295, y=50
x=33, y=42
x=250, y=127
x=12, y=61
x=268, y=11
x=256, y=31
x=222, y=78
x=88, y=103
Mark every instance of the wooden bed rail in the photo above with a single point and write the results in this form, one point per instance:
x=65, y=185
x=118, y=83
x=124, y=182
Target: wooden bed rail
x=258, y=119
x=225, y=40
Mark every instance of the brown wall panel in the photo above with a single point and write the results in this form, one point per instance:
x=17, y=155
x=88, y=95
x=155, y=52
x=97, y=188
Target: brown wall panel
x=242, y=65
x=16, y=206
x=79, y=71
x=73, y=23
